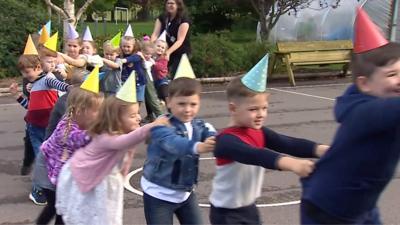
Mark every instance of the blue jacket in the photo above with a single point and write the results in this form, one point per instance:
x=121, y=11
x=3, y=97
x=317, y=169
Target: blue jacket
x=350, y=177
x=134, y=62
x=170, y=161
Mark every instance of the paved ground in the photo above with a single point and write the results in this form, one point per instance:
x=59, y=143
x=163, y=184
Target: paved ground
x=304, y=111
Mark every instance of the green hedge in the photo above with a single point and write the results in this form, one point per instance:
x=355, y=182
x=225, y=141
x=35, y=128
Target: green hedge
x=18, y=18
x=216, y=56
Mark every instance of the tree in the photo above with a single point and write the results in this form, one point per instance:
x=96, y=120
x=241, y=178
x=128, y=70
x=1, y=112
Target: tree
x=269, y=11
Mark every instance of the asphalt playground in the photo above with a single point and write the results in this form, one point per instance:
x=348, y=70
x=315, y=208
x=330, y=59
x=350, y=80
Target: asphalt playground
x=302, y=111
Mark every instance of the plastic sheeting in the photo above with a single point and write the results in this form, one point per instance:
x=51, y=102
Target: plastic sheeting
x=329, y=23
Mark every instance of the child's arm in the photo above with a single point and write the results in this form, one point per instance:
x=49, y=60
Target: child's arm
x=135, y=58
x=111, y=64
x=232, y=148
x=79, y=62
x=168, y=140
x=78, y=138
x=19, y=97
x=56, y=84
x=289, y=145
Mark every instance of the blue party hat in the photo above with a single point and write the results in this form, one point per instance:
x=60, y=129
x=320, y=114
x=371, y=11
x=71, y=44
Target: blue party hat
x=48, y=28
x=256, y=78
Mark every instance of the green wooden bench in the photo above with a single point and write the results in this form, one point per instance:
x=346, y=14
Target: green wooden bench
x=311, y=53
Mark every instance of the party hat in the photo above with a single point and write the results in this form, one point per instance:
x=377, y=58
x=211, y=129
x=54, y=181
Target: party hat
x=72, y=34
x=51, y=43
x=92, y=81
x=367, y=35
x=48, y=28
x=44, y=35
x=87, y=35
x=127, y=92
x=256, y=78
x=129, y=32
x=116, y=40
x=184, y=68
x=163, y=36
x=30, y=48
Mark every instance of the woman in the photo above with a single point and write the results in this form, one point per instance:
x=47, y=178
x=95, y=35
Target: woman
x=176, y=23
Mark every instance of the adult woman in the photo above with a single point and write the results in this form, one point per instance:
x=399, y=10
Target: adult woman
x=174, y=21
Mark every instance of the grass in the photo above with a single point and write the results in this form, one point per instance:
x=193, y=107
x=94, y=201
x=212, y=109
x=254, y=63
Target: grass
x=101, y=29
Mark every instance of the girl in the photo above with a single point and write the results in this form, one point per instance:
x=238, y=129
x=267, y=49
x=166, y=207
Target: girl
x=160, y=70
x=90, y=186
x=132, y=59
x=69, y=135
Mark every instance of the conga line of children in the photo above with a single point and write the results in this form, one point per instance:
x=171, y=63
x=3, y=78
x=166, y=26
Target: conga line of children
x=94, y=130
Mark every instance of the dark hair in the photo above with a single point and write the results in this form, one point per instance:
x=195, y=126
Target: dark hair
x=236, y=90
x=365, y=63
x=28, y=61
x=184, y=86
x=181, y=10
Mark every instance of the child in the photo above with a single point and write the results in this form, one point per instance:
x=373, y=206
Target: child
x=349, y=179
x=160, y=70
x=152, y=103
x=90, y=185
x=111, y=82
x=133, y=60
x=171, y=168
x=73, y=47
x=246, y=147
x=43, y=96
x=69, y=135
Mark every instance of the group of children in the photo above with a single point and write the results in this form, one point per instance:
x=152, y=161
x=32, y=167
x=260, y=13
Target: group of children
x=92, y=139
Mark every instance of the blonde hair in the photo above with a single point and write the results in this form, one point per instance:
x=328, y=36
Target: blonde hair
x=136, y=43
x=109, y=119
x=108, y=46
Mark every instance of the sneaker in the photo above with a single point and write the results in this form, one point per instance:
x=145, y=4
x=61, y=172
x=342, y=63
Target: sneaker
x=25, y=170
x=37, y=197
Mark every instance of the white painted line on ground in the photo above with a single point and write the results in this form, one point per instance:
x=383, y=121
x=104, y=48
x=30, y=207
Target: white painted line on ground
x=10, y=104
x=129, y=187
x=303, y=94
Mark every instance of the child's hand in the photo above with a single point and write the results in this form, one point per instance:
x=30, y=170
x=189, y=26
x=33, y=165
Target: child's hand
x=320, y=150
x=13, y=88
x=301, y=167
x=28, y=87
x=207, y=146
x=141, y=55
x=161, y=121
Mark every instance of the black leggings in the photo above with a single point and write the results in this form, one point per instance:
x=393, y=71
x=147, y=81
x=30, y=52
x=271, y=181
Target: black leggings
x=49, y=211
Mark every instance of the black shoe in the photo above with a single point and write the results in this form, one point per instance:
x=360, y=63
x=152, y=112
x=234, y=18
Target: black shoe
x=25, y=170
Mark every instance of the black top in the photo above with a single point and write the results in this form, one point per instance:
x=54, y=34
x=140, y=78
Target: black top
x=172, y=27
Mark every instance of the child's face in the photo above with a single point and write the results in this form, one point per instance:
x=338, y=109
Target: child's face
x=127, y=46
x=48, y=63
x=161, y=47
x=73, y=48
x=87, y=48
x=249, y=112
x=130, y=118
x=384, y=82
x=110, y=54
x=86, y=117
x=32, y=74
x=184, y=108
x=148, y=53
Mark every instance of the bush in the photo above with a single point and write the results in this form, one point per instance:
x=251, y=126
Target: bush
x=18, y=18
x=216, y=56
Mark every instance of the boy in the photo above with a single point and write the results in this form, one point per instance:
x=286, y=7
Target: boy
x=349, y=179
x=246, y=147
x=42, y=99
x=171, y=169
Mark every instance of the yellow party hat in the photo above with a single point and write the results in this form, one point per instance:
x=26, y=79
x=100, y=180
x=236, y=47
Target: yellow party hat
x=51, y=43
x=92, y=81
x=30, y=48
x=115, y=41
x=127, y=92
x=184, y=68
x=44, y=35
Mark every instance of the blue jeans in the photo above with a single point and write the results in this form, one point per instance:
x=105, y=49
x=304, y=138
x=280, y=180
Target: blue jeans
x=159, y=211
x=311, y=214
x=36, y=134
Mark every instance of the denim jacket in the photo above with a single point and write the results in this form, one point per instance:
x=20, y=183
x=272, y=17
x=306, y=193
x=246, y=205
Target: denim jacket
x=171, y=162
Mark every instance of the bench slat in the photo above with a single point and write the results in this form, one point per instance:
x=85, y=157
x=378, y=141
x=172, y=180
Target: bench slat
x=319, y=56
x=307, y=46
